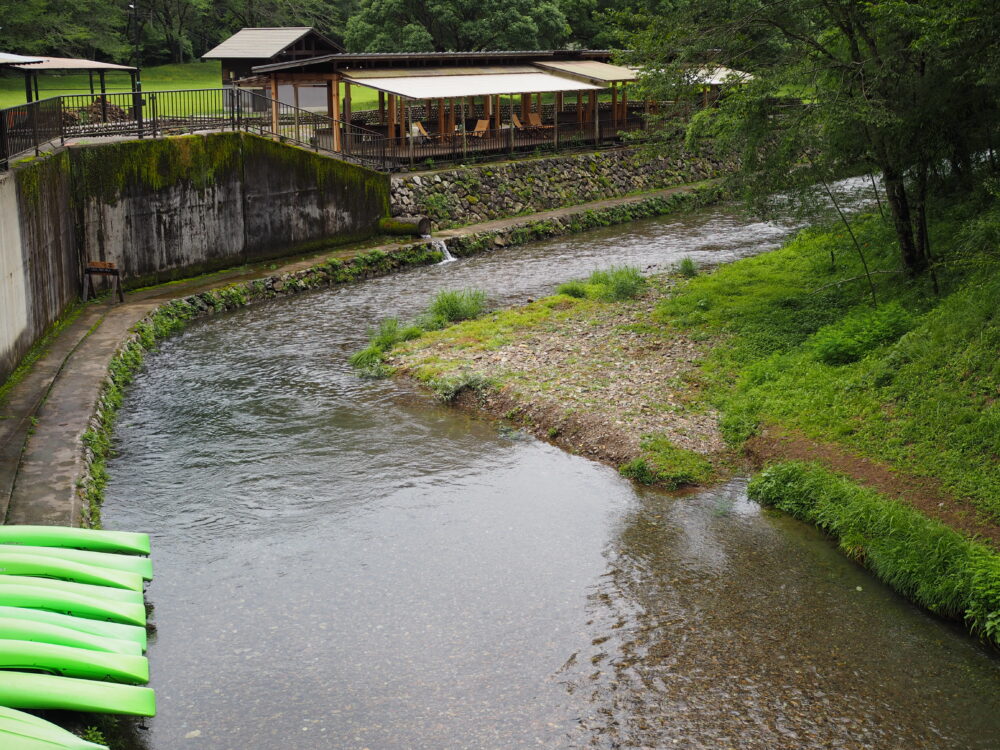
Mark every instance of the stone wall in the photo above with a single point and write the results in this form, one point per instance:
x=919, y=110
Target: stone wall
x=163, y=209
x=467, y=195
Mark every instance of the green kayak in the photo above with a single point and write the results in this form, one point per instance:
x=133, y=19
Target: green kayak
x=83, y=589
x=65, y=536
x=113, y=630
x=17, y=629
x=22, y=731
x=142, y=566
x=13, y=563
x=72, y=662
x=35, y=597
x=29, y=690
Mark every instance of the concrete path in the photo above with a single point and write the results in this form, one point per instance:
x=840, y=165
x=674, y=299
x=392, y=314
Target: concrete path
x=44, y=417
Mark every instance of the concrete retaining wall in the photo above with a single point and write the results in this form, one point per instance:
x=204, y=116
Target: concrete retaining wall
x=164, y=209
x=469, y=195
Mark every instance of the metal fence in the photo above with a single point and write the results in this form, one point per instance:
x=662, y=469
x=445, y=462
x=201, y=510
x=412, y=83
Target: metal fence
x=30, y=127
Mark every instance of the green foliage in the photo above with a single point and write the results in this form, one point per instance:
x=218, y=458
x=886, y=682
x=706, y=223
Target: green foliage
x=687, y=268
x=852, y=337
x=448, y=388
x=663, y=463
x=612, y=285
x=919, y=557
x=370, y=362
x=93, y=734
x=575, y=288
x=452, y=306
x=925, y=402
x=617, y=283
x=438, y=25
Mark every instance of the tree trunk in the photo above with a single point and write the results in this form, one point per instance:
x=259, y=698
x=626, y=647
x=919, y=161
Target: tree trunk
x=913, y=260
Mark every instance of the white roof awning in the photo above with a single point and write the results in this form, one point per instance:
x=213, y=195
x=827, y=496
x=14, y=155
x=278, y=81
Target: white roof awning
x=8, y=59
x=590, y=70
x=448, y=86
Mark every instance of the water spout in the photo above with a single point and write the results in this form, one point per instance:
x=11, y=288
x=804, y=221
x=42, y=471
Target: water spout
x=442, y=247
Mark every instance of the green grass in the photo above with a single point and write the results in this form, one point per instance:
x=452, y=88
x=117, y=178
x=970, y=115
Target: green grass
x=914, y=383
x=612, y=285
x=196, y=75
x=922, y=559
x=665, y=464
x=448, y=306
x=193, y=75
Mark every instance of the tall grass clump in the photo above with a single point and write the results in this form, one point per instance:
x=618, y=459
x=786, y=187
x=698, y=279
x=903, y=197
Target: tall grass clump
x=370, y=361
x=611, y=285
x=919, y=557
x=665, y=464
x=687, y=268
x=452, y=306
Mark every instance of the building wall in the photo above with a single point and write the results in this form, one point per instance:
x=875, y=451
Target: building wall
x=162, y=209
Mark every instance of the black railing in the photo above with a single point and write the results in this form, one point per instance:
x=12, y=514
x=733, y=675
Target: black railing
x=29, y=127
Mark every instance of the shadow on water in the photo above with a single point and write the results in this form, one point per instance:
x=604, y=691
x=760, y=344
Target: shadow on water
x=343, y=563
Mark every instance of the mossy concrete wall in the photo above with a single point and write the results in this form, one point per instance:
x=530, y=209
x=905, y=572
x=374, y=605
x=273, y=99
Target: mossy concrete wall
x=163, y=209
x=469, y=195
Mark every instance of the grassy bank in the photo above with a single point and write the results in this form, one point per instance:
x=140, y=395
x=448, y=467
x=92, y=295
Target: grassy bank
x=913, y=383
x=924, y=560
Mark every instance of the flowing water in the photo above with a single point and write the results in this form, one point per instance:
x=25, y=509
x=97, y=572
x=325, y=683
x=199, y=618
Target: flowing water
x=342, y=563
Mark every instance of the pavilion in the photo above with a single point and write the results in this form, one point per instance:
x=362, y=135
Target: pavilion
x=31, y=69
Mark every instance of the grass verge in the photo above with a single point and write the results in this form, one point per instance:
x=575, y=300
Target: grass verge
x=924, y=560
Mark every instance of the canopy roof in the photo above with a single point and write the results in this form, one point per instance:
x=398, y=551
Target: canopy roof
x=70, y=63
x=8, y=59
x=593, y=71
x=264, y=43
x=718, y=76
x=409, y=86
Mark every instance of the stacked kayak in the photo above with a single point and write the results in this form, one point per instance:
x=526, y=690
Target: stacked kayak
x=72, y=629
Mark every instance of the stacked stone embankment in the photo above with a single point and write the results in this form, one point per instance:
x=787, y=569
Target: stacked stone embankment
x=469, y=195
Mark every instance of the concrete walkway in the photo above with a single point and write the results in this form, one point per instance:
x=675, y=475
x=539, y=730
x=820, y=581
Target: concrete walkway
x=44, y=417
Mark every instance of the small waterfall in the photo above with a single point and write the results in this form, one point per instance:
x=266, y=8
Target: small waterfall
x=442, y=247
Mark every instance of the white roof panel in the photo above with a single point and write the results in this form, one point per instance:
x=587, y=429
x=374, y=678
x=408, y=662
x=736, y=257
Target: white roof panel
x=8, y=59
x=257, y=43
x=443, y=87
x=71, y=63
x=591, y=70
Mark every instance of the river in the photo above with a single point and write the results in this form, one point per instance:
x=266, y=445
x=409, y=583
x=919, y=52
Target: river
x=344, y=563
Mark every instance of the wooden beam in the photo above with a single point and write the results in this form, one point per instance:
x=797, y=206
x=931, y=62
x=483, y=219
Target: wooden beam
x=275, y=122
x=336, y=116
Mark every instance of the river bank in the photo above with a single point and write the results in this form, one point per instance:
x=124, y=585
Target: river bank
x=773, y=358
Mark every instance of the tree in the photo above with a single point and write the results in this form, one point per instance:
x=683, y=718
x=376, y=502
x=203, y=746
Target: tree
x=902, y=86
x=455, y=25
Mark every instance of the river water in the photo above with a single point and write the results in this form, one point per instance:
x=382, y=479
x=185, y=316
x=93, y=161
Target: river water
x=343, y=563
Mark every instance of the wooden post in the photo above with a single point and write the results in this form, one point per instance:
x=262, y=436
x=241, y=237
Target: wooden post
x=595, y=112
x=465, y=146
x=525, y=107
x=392, y=116
x=274, y=106
x=337, y=145
x=579, y=107
x=381, y=108
x=409, y=128
x=347, y=117
x=555, y=124
x=614, y=105
x=510, y=130
x=90, y=73
x=295, y=98
x=496, y=112
x=441, y=122
x=104, y=97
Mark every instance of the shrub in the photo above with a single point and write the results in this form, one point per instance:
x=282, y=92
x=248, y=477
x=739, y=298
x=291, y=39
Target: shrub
x=447, y=389
x=617, y=283
x=575, y=288
x=851, y=338
x=386, y=336
x=921, y=558
x=665, y=464
x=455, y=305
x=687, y=268
x=370, y=362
